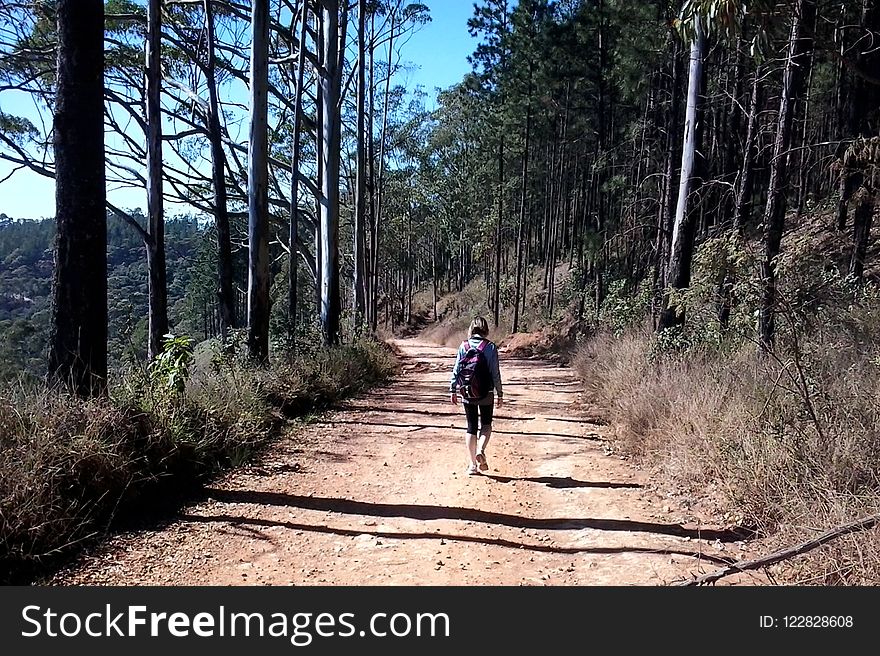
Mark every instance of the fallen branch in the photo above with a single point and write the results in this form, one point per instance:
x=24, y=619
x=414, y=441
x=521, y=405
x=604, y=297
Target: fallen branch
x=784, y=554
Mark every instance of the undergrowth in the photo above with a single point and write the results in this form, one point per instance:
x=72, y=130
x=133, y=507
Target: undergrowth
x=791, y=438
x=70, y=470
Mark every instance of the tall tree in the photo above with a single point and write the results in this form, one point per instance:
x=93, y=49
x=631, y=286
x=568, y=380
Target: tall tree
x=372, y=259
x=157, y=287
x=859, y=171
x=524, y=201
x=799, y=46
x=331, y=140
x=295, y=174
x=684, y=229
x=491, y=20
x=78, y=340
x=858, y=61
x=225, y=288
x=745, y=186
x=258, y=186
x=668, y=199
x=360, y=212
x=379, y=177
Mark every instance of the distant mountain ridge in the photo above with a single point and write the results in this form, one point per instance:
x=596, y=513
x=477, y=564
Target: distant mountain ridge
x=26, y=270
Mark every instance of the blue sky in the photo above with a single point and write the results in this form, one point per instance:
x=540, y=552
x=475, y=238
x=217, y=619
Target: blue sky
x=441, y=48
x=438, y=55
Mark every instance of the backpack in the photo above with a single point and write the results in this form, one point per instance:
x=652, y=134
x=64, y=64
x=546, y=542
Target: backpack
x=474, y=379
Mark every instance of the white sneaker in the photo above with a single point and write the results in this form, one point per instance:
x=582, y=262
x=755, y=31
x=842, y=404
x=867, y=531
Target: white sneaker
x=472, y=470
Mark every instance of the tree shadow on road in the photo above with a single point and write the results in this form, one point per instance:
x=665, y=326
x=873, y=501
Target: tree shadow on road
x=248, y=523
x=495, y=431
x=456, y=413
x=424, y=512
x=566, y=482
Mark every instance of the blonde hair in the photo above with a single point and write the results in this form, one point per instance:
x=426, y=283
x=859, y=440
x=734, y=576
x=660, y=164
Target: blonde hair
x=479, y=326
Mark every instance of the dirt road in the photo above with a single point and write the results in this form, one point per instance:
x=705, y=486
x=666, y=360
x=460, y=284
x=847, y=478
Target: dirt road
x=375, y=493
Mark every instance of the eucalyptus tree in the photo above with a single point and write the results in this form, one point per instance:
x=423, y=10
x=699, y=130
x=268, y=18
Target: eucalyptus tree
x=225, y=283
x=699, y=18
x=683, y=228
x=331, y=139
x=360, y=212
x=296, y=152
x=398, y=19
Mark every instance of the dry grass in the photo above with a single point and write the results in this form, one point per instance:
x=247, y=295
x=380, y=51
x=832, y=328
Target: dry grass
x=787, y=443
x=456, y=310
x=792, y=443
x=70, y=469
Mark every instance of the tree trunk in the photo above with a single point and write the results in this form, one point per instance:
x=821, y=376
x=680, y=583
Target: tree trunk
x=558, y=240
x=864, y=103
x=78, y=338
x=226, y=290
x=742, y=203
x=434, y=279
x=666, y=211
x=743, y=210
x=863, y=218
x=496, y=297
x=360, y=214
x=843, y=115
x=331, y=141
x=500, y=220
x=379, y=193
x=293, y=238
x=524, y=201
x=683, y=230
x=157, y=291
x=734, y=128
x=373, y=260
x=804, y=153
x=258, y=187
x=319, y=157
x=774, y=214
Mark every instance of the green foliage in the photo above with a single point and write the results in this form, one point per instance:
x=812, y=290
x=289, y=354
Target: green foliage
x=169, y=371
x=672, y=341
x=18, y=129
x=26, y=269
x=723, y=272
x=621, y=311
x=722, y=16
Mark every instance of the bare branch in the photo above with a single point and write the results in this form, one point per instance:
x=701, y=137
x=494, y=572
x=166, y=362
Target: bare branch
x=130, y=220
x=784, y=554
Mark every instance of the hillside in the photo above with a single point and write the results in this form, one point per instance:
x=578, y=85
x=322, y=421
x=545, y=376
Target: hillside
x=26, y=286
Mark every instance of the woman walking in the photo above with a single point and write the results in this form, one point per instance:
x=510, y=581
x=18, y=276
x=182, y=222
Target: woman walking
x=476, y=377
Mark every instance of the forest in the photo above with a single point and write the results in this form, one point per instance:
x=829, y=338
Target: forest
x=680, y=195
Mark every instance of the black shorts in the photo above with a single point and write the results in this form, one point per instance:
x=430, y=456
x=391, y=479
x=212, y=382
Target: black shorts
x=485, y=417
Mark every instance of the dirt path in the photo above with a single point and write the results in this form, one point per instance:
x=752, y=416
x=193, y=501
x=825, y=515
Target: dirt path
x=375, y=493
